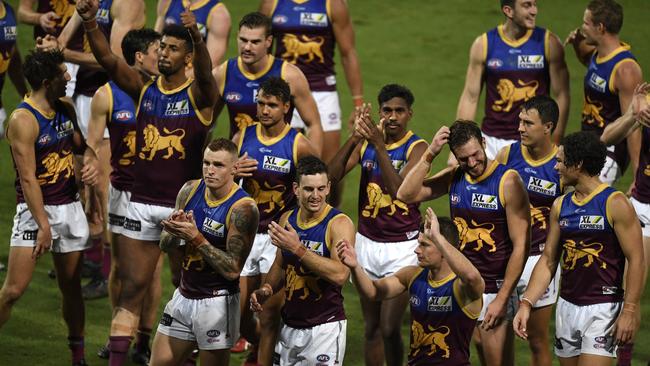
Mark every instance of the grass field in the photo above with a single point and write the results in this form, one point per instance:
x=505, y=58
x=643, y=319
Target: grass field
x=419, y=43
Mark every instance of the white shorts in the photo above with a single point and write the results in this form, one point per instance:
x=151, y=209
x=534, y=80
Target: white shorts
x=552, y=291
x=494, y=144
x=585, y=329
x=328, y=108
x=3, y=118
x=67, y=222
x=643, y=213
x=212, y=323
x=611, y=171
x=382, y=259
x=323, y=344
x=261, y=256
x=82, y=105
x=142, y=221
x=511, y=307
x=73, y=69
x=118, y=203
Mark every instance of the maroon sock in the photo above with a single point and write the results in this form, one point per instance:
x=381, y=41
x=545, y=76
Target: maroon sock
x=119, y=346
x=76, y=345
x=94, y=253
x=142, y=340
x=106, y=262
x=624, y=354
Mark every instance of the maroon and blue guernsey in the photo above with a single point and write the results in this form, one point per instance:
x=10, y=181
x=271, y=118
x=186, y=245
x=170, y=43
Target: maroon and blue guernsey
x=382, y=217
x=170, y=136
x=53, y=153
x=441, y=325
x=515, y=71
x=478, y=212
x=63, y=8
x=239, y=90
x=7, y=39
x=592, y=261
x=309, y=299
x=543, y=185
x=202, y=10
x=199, y=280
x=304, y=36
x=601, y=104
x=272, y=182
x=121, y=128
x=641, y=190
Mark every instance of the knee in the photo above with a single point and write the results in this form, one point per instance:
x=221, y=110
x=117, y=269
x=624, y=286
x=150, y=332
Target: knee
x=391, y=331
x=268, y=319
x=9, y=295
x=538, y=344
x=372, y=332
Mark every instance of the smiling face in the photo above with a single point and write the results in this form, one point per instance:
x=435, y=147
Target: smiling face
x=218, y=168
x=471, y=157
x=396, y=114
x=311, y=192
x=568, y=175
x=523, y=13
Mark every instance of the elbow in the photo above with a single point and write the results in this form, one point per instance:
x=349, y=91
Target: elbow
x=403, y=196
x=231, y=276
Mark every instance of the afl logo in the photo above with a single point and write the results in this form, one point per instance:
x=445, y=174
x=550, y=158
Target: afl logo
x=415, y=300
x=494, y=63
x=455, y=199
x=233, y=97
x=322, y=358
x=280, y=19
x=123, y=115
x=44, y=139
x=213, y=333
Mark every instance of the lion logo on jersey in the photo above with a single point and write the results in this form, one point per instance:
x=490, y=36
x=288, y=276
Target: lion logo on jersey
x=296, y=282
x=575, y=252
x=56, y=165
x=193, y=256
x=129, y=141
x=154, y=141
x=270, y=195
x=478, y=234
x=591, y=113
x=243, y=120
x=646, y=171
x=538, y=215
x=510, y=93
x=64, y=9
x=297, y=47
x=434, y=339
x=377, y=199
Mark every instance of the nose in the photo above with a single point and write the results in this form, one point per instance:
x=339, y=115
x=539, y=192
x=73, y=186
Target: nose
x=67, y=76
x=533, y=10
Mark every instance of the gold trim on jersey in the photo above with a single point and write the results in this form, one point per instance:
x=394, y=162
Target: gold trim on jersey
x=547, y=45
x=299, y=1
x=623, y=47
x=440, y=282
x=591, y=195
x=417, y=273
x=612, y=76
x=209, y=17
x=146, y=86
x=3, y=10
x=400, y=142
x=502, y=197
x=195, y=186
x=607, y=210
x=294, y=147
x=514, y=43
x=464, y=306
x=273, y=7
x=328, y=9
x=364, y=147
x=484, y=41
x=218, y=201
x=205, y=121
x=488, y=171
x=268, y=141
x=32, y=104
x=194, y=6
x=246, y=198
x=328, y=242
x=255, y=76
x=310, y=224
x=162, y=89
x=532, y=162
x=109, y=90
x=222, y=81
x=410, y=148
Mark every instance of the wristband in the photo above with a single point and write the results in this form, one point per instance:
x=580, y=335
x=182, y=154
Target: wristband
x=197, y=241
x=300, y=252
x=527, y=300
x=90, y=24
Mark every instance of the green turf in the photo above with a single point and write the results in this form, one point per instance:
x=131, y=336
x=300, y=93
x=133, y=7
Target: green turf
x=420, y=43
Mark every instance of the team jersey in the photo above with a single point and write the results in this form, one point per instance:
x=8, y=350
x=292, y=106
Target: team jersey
x=271, y=184
x=239, y=90
x=53, y=153
x=7, y=39
x=543, y=185
x=199, y=280
x=515, y=71
x=591, y=249
x=202, y=10
x=309, y=299
x=641, y=190
x=170, y=136
x=478, y=212
x=384, y=218
x=63, y=8
x=304, y=36
x=601, y=105
x=90, y=79
x=121, y=128
x=441, y=326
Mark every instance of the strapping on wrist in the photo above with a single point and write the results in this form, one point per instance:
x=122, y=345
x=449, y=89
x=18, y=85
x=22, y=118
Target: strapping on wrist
x=300, y=252
x=197, y=241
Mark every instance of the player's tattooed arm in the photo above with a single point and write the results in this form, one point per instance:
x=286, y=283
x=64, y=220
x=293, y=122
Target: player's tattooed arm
x=167, y=240
x=241, y=233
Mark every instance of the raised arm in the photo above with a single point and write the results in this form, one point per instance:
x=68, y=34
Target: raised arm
x=344, y=34
x=204, y=88
x=305, y=104
x=473, y=80
x=618, y=130
x=628, y=76
x=124, y=76
x=15, y=72
x=218, y=33
x=127, y=15
x=26, y=14
x=582, y=50
x=559, y=75
x=345, y=159
x=161, y=8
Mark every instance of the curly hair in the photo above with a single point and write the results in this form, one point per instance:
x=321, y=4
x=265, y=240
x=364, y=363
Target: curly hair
x=277, y=87
x=585, y=149
x=391, y=91
x=41, y=65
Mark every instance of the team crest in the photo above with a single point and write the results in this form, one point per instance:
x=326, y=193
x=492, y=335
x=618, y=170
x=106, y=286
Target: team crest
x=430, y=341
x=480, y=234
x=303, y=46
x=377, y=200
x=509, y=93
x=55, y=166
x=574, y=252
x=154, y=141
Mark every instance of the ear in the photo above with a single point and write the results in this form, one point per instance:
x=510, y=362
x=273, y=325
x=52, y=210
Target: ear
x=508, y=11
x=295, y=188
x=286, y=106
x=548, y=128
x=188, y=58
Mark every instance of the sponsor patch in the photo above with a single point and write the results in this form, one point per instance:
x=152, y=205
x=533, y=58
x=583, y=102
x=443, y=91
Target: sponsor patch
x=330, y=80
x=313, y=19
x=494, y=63
x=44, y=139
x=232, y=97
x=486, y=201
x=398, y=164
x=530, y=61
x=558, y=343
x=415, y=300
x=265, y=150
x=123, y=115
x=133, y=225
x=598, y=83
x=280, y=19
x=610, y=290
x=10, y=33
x=542, y=186
x=439, y=303
x=147, y=105
x=214, y=228
x=592, y=222
x=30, y=234
x=368, y=164
x=314, y=246
x=116, y=220
x=166, y=319
x=213, y=333
x=64, y=129
x=275, y=164
x=322, y=358
x=454, y=198
x=179, y=108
